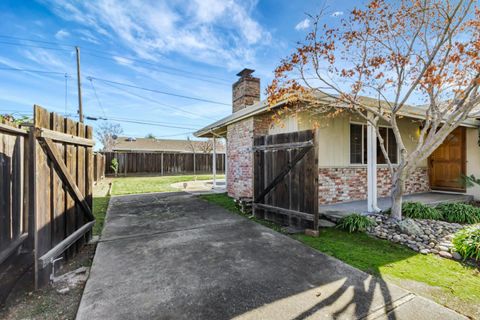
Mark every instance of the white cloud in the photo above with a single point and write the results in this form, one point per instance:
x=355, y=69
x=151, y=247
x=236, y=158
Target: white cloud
x=217, y=32
x=302, y=25
x=62, y=34
x=337, y=14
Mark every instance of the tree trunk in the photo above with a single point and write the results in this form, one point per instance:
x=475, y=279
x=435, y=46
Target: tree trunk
x=398, y=189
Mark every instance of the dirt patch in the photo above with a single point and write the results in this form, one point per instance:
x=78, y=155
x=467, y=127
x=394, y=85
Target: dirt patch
x=57, y=301
x=439, y=295
x=102, y=187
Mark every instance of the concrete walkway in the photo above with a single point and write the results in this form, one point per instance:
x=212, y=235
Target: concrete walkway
x=339, y=210
x=174, y=256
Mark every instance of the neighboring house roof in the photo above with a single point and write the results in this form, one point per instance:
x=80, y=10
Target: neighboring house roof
x=162, y=145
x=219, y=127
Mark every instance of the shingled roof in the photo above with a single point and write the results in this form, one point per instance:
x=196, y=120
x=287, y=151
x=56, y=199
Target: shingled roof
x=128, y=144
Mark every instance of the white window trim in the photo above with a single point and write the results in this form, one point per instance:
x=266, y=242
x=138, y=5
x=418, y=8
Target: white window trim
x=363, y=142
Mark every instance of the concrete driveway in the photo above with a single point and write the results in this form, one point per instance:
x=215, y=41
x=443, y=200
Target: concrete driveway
x=174, y=256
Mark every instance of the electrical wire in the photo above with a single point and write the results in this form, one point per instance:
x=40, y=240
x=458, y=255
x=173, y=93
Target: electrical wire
x=32, y=70
x=96, y=96
x=108, y=55
x=159, y=103
x=161, y=92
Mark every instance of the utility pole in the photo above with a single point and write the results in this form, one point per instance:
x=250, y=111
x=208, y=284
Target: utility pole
x=80, y=107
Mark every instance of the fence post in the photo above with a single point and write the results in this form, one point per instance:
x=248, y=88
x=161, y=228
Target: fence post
x=161, y=164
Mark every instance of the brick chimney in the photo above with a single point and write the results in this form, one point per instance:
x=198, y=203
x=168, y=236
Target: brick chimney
x=246, y=91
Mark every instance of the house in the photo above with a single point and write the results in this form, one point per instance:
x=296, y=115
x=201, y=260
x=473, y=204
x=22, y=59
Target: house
x=129, y=144
x=341, y=141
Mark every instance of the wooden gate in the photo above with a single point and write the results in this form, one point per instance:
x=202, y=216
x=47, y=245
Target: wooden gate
x=286, y=178
x=62, y=164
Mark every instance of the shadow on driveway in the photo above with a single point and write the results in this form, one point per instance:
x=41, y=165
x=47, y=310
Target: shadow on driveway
x=174, y=256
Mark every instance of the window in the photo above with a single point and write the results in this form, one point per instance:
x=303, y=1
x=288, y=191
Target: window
x=358, y=144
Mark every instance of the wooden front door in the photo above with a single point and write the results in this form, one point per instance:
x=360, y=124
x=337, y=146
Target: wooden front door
x=447, y=163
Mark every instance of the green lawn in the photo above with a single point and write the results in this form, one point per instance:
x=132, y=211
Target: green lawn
x=446, y=281
x=100, y=205
x=132, y=185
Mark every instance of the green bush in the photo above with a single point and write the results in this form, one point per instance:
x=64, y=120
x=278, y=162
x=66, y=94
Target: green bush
x=355, y=222
x=417, y=210
x=459, y=213
x=467, y=242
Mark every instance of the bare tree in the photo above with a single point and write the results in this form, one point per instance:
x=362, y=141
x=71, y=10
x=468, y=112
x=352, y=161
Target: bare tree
x=399, y=53
x=207, y=145
x=107, y=134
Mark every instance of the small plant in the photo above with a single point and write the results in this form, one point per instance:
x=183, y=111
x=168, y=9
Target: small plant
x=467, y=242
x=355, y=222
x=417, y=210
x=459, y=213
x=114, y=166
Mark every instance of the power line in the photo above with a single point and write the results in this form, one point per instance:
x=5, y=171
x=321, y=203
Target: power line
x=159, y=103
x=32, y=70
x=177, y=72
x=108, y=56
x=145, y=122
x=162, y=92
x=33, y=46
x=96, y=96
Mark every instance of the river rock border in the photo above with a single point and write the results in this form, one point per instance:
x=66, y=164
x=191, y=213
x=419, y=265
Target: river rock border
x=424, y=236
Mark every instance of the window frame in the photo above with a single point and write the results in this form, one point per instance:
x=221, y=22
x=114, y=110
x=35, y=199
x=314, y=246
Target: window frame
x=363, y=124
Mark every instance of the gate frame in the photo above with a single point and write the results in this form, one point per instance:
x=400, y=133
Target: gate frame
x=306, y=146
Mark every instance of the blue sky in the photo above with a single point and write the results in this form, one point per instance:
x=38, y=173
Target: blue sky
x=190, y=48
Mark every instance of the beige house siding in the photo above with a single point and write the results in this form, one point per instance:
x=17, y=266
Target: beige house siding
x=473, y=159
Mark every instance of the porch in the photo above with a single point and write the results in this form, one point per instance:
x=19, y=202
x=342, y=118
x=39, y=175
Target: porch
x=336, y=211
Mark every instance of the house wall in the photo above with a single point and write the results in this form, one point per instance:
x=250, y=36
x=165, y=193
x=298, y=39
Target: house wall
x=473, y=159
x=338, y=179
x=239, y=154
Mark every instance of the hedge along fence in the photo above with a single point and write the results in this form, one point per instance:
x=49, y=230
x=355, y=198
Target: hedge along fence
x=164, y=163
x=46, y=195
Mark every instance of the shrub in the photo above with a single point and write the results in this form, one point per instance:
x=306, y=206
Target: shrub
x=467, y=242
x=355, y=222
x=459, y=213
x=114, y=166
x=417, y=210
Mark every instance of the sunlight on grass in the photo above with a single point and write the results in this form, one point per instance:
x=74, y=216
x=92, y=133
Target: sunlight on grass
x=100, y=205
x=132, y=185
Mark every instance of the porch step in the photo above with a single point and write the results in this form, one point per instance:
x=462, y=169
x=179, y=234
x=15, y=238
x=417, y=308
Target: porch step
x=324, y=223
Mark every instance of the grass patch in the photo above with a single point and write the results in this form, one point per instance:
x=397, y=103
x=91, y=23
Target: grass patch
x=100, y=205
x=389, y=260
x=132, y=185
x=223, y=200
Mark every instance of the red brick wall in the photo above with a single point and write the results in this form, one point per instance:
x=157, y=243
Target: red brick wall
x=346, y=184
x=239, y=154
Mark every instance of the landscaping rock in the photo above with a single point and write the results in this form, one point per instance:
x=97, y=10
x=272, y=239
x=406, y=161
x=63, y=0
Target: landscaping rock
x=424, y=236
x=442, y=248
x=445, y=254
x=409, y=226
x=325, y=223
x=456, y=256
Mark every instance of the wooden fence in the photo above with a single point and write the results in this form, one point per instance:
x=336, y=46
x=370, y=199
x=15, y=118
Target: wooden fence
x=16, y=225
x=46, y=195
x=164, y=163
x=98, y=167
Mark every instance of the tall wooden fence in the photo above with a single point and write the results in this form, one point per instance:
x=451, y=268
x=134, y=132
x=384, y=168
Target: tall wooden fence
x=98, y=167
x=46, y=196
x=164, y=163
x=16, y=225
